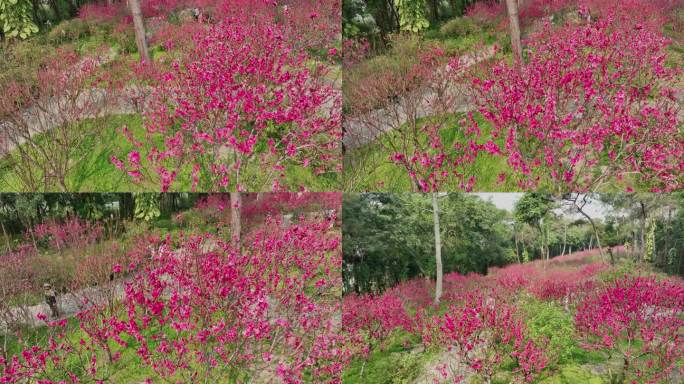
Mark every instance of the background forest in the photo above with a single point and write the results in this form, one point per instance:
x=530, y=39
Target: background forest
x=389, y=238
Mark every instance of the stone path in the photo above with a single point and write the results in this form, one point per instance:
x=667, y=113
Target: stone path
x=69, y=304
x=361, y=130
x=54, y=112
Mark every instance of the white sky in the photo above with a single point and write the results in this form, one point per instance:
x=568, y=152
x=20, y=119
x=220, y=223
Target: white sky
x=507, y=201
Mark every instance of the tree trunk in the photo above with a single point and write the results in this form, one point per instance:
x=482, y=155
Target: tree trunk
x=167, y=203
x=4, y=233
x=438, y=248
x=139, y=27
x=517, y=248
x=235, y=208
x=596, y=234
x=514, y=20
x=435, y=10
x=642, y=235
x=546, y=244
x=127, y=206
x=542, y=247
x=612, y=256
x=565, y=238
x=394, y=15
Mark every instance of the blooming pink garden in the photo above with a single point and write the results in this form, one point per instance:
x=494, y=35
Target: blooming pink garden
x=488, y=327
x=513, y=288
x=181, y=306
x=594, y=103
x=225, y=96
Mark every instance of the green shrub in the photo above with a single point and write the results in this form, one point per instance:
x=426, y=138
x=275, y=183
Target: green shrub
x=125, y=40
x=625, y=267
x=387, y=368
x=69, y=31
x=458, y=27
x=572, y=374
x=551, y=322
x=402, y=55
x=21, y=61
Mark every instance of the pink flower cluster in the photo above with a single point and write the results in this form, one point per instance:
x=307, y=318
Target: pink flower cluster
x=244, y=96
x=484, y=334
x=16, y=269
x=374, y=317
x=198, y=306
x=67, y=233
x=641, y=317
x=590, y=106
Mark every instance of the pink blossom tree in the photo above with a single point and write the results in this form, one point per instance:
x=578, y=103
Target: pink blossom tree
x=641, y=319
x=591, y=106
x=244, y=98
x=484, y=334
x=199, y=307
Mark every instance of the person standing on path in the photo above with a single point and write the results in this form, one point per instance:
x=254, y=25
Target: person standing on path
x=51, y=299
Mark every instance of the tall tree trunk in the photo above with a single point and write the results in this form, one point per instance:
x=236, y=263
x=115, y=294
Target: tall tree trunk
x=127, y=206
x=435, y=10
x=596, y=234
x=394, y=15
x=542, y=248
x=438, y=248
x=565, y=238
x=546, y=244
x=167, y=204
x=635, y=245
x=139, y=27
x=514, y=21
x=517, y=248
x=642, y=235
x=4, y=234
x=612, y=256
x=33, y=237
x=235, y=208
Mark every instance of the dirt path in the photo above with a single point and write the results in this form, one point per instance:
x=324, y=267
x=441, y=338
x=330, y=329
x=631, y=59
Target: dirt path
x=49, y=114
x=69, y=304
x=357, y=131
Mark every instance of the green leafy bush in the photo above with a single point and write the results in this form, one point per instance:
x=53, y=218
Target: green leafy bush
x=69, y=31
x=124, y=38
x=459, y=26
x=412, y=16
x=551, y=322
x=16, y=19
x=626, y=267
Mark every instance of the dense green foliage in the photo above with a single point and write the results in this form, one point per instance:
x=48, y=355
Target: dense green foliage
x=411, y=15
x=16, y=20
x=23, y=18
x=389, y=238
x=21, y=211
x=379, y=18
